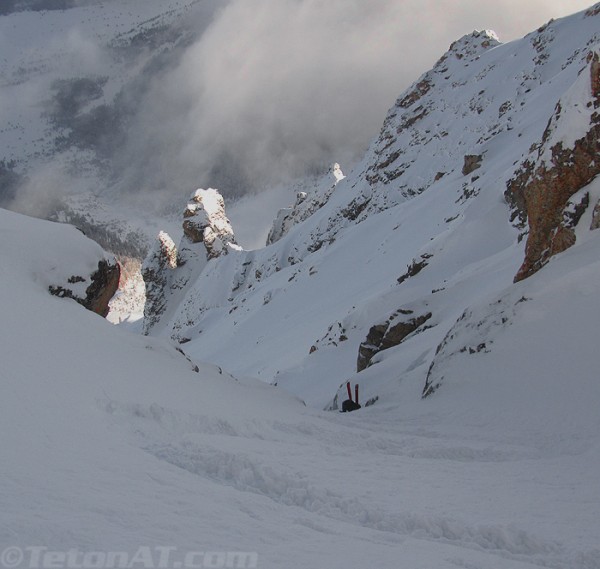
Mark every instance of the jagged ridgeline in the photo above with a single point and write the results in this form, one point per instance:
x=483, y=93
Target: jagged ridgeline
x=484, y=170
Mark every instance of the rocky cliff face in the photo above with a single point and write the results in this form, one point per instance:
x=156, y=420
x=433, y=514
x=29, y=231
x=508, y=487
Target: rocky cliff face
x=394, y=156
x=564, y=162
x=95, y=296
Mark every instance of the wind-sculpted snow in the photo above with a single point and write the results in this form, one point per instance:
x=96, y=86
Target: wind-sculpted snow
x=267, y=461
x=290, y=489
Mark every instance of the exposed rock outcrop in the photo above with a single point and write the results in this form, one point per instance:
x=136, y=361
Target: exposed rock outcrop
x=156, y=270
x=131, y=296
x=168, y=270
x=596, y=217
x=306, y=204
x=471, y=163
x=104, y=283
x=388, y=334
x=566, y=161
x=205, y=222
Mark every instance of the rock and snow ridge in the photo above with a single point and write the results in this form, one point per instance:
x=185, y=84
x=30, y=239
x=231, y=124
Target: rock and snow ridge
x=422, y=227
x=168, y=270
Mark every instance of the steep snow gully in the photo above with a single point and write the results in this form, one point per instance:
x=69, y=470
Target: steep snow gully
x=120, y=451
x=116, y=443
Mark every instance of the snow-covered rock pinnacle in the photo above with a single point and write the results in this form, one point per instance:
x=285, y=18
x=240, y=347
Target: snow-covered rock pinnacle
x=205, y=222
x=336, y=170
x=156, y=271
x=167, y=270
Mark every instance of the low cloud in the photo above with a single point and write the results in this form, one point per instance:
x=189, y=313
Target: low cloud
x=278, y=88
x=42, y=190
x=268, y=90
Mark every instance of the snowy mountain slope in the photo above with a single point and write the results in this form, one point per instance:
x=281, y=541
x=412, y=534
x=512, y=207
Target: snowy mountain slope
x=114, y=442
x=117, y=443
x=420, y=229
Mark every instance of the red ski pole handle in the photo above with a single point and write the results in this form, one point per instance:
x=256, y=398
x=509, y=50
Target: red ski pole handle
x=349, y=390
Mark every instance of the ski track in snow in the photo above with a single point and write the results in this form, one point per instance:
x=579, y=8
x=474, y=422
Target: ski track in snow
x=278, y=461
